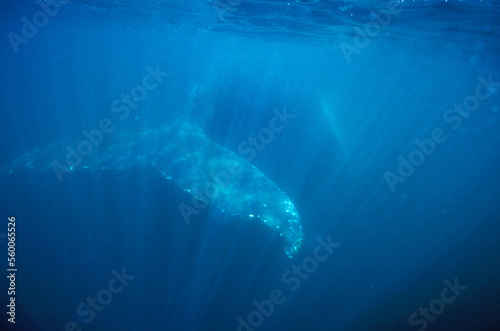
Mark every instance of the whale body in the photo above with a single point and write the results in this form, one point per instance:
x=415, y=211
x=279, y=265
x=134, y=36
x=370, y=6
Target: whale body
x=183, y=154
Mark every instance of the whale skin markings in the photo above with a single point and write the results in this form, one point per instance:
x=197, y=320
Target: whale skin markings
x=184, y=155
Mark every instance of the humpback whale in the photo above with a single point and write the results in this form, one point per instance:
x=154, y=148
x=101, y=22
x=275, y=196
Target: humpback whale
x=183, y=154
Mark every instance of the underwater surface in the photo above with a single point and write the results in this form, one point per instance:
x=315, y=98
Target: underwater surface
x=250, y=165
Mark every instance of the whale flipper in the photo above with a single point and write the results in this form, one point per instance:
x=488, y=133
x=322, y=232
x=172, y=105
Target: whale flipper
x=183, y=154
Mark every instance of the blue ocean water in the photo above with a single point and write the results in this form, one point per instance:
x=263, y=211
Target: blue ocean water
x=389, y=153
